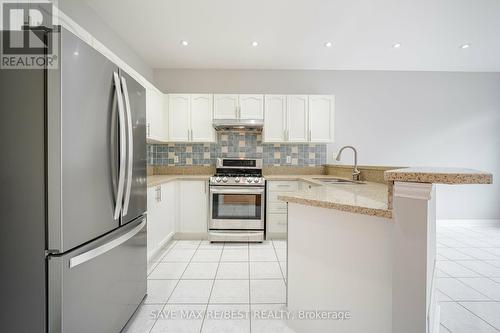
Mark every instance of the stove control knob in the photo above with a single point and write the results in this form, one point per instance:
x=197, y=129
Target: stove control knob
x=217, y=179
x=249, y=180
x=224, y=179
x=257, y=180
x=237, y=179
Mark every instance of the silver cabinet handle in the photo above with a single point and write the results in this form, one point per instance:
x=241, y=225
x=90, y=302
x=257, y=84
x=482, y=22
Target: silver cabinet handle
x=189, y=135
x=91, y=254
x=158, y=193
x=148, y=130
x=130, y=144
x=121, y=173
x=310, y=136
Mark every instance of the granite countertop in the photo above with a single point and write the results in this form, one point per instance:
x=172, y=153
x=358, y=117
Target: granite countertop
x=439, y=176
x=370, y=198
x=367, y=198
x=162, y=179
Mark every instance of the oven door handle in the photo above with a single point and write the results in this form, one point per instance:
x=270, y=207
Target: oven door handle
x=237, y=191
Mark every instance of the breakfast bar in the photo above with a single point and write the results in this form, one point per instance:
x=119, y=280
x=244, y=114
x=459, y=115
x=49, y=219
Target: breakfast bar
x=368, y=249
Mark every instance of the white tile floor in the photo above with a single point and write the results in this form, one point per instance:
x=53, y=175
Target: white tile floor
x=208, y=280
x=217, y=279
x=469, y=277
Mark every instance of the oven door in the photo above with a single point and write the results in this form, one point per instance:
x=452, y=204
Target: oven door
x=237, y=207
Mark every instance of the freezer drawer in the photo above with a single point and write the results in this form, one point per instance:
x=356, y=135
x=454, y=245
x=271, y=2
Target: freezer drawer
x=97, y=287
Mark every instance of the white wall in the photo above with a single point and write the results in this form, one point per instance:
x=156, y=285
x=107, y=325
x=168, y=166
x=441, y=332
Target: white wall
x=393, y=118
x=85, y=16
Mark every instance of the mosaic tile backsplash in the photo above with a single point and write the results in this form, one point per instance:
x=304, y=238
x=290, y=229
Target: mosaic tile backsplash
x=236, y=144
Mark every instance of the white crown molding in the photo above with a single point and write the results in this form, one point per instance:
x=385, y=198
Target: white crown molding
x=419, y=191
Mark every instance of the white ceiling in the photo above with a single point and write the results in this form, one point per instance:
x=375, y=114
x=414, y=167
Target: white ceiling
x=292, y=33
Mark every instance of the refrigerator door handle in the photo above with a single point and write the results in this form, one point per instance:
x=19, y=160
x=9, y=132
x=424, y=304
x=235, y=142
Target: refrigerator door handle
x=121, y=173
x=91, y=254
x=130, y=143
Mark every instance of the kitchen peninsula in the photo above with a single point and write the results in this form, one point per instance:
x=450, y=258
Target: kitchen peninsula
x=369, y=249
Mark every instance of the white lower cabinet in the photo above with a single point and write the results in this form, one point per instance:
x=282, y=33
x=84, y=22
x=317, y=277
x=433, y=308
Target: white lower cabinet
x=193, y=206
x=161, y=216
x=277, y=213
x=176, y=208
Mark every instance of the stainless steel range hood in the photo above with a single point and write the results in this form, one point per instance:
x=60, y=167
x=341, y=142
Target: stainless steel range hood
x=254, y=125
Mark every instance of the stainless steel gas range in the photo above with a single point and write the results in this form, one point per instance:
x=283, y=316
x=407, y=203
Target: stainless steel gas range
x=237, y=201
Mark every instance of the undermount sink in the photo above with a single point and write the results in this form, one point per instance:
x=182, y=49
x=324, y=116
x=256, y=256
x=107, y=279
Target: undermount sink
x=337, y=181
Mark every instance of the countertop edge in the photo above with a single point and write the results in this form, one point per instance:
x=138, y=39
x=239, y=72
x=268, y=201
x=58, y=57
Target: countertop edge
x=376, y=212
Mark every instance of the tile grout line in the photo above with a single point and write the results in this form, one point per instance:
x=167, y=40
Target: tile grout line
x=478, y=317
x=166, y=302
x=211, y=289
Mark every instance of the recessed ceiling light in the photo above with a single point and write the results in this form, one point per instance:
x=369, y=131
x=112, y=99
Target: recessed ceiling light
x=397, y=45
x=76, y=53
x=254, y=43
x=465, y=46
x=184, y=42
x=328, y=44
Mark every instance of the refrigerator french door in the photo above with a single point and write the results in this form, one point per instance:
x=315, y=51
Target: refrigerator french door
x=74, y=193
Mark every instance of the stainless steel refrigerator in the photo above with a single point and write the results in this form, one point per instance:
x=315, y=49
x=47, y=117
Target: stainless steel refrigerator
x=73, y=194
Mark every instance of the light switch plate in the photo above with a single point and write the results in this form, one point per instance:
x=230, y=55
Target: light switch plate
x=176, y=159
x=288, y=159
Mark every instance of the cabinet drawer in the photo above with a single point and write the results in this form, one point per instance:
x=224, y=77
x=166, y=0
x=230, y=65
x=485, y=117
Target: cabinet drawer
x=282, y=186
x=277, y=207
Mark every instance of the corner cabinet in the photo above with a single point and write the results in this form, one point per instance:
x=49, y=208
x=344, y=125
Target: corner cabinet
x=176, y=209
x=233, y=106
x=299, y=118
x=156, y=116
x=190, y=118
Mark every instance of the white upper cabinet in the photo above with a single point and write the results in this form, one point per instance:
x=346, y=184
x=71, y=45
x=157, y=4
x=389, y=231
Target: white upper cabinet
x=179, y=127
x=251, y=106
x=156, y=116
x=299, y=118
x=297, y=112
x=225, y=106
x=190, y=118
x=275, y=118
x=201, y=118
x=232, y=106
x=321, y=114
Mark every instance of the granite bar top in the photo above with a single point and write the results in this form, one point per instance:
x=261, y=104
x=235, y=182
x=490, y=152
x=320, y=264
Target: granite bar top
x=439, y=176
x=367, y=198
x=162, y=179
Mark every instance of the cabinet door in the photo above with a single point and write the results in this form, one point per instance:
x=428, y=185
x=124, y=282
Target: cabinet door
x=251, y=106
x=321, y=113
x=201, y=118
x=154, y=219
x=225, y=106
x=156, y=117
x=275, y=118
x=178, y=120
x=169, y=208
x=193, y=198
x=297, y=110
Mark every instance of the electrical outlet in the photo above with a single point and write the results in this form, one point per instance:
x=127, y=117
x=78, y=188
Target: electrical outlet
x=176, y=159
x=288, y=159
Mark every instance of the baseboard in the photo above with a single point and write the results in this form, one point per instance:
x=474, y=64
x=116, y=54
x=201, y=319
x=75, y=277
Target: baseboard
x=160, y=246
x=191, y=235
x=468, y=222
